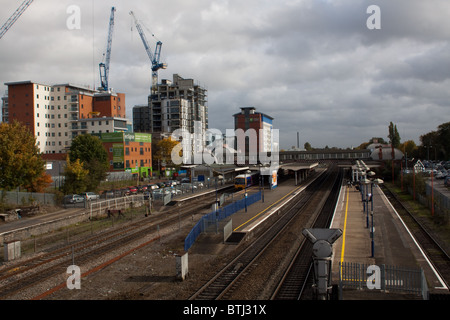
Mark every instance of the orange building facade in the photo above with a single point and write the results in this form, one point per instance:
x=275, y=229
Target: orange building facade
x=128, y=151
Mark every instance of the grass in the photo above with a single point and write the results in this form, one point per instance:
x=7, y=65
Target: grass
x=440, y=226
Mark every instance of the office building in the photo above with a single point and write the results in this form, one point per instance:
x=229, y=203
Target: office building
x=130, y=152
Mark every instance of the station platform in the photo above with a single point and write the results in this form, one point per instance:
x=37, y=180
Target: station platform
x=393, y=244
x=274, y=199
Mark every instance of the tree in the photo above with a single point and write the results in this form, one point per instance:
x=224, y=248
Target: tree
x=163, y=151
x=75, y=177
x=409, y=148
x=90, y=151
x=20, y=161
x=437, y=141
x=40, y=184
x=394, y=136
x=307, y=146
x=443, y=140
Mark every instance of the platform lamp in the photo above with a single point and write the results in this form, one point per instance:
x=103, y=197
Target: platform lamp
x=245, y=186
x=261, y=181
x=365, y=183
x=376, y=182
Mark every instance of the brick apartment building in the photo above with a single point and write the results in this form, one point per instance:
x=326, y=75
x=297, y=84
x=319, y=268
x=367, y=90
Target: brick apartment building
x=56, y=114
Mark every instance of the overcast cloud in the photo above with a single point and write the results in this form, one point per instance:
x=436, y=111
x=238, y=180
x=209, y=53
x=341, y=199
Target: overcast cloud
x=313, y=65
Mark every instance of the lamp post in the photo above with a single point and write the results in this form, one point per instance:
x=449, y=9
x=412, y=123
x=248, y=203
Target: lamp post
x=372, y=236
x=245, y=185
x=261, y=181
x=365, y=182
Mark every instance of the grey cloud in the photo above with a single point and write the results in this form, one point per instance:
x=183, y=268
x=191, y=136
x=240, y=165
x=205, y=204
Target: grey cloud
x=312, y=64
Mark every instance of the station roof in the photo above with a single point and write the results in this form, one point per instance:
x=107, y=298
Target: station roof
x=299, y=166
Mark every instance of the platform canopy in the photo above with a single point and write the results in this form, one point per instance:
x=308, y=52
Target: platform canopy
x=299, y=166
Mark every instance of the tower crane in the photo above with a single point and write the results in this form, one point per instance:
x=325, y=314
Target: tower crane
x=8, y=24
x=154, y=58
x=104, y=66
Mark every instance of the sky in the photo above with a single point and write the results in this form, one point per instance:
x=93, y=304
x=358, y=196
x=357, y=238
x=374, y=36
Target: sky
x=313, y=65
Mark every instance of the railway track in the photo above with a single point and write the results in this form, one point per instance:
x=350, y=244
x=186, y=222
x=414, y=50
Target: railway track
x=228, y=282
x=434, y=251
x=17, y=277
x=298, y=276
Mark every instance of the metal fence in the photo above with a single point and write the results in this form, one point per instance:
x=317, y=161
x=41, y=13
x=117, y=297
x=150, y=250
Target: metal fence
x=383, y=277
x=27, y=198
x=100, y=207
x=212, y=218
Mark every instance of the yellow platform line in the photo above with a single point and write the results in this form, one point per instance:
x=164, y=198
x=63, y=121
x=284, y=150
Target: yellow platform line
x=345, y=227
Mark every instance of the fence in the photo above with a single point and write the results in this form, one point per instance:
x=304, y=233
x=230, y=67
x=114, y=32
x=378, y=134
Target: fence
x=385, y=278
x=99, y=207
x=26, y=198
x=212, y=218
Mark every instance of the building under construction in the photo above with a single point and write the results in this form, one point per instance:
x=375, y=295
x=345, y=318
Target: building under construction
x=173, y=105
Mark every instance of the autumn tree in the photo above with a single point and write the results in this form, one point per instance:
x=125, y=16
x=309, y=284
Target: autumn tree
x=164, y=150
x=20, y=160
x=75, y=177
x=409, y=148
x=90, y=151
x=40, y=184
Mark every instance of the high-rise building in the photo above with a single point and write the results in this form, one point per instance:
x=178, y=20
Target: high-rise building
x=175, y=105
x=56, y=114
x=261, y=123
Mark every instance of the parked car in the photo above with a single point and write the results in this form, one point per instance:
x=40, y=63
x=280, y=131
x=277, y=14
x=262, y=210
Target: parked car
x=133, y=190
x=108, y=194
x=152, y=187
x=142, y=188
x=90, y=195
x=73, y=198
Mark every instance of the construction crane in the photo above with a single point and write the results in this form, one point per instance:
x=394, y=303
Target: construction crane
x=8, y=24
x=104, y=66
x=154, y=58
